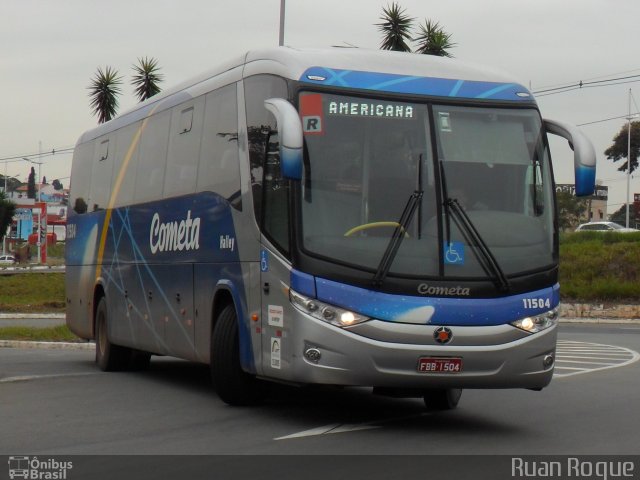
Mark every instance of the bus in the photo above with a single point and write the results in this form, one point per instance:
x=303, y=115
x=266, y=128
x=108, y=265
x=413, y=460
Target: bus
x=325, y=216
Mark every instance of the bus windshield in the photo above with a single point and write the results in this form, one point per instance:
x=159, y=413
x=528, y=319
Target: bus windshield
x=366, y=157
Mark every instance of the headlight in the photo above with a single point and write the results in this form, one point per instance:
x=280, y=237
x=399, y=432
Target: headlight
x=537, y=323
x=325, y=312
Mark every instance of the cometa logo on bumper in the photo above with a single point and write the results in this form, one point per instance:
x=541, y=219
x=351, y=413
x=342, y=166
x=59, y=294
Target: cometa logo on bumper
x=174, y=236
x=425, y=289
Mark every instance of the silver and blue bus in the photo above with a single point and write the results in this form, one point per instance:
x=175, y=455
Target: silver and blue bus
x=338, y=216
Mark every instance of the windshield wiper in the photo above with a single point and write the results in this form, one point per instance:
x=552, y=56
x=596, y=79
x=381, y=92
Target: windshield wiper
x=396, y=239
x=471, y=235
x=486, y=258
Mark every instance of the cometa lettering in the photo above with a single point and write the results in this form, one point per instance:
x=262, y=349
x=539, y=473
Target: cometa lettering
x=362, y=109
x=174, y=236
x=424, y=289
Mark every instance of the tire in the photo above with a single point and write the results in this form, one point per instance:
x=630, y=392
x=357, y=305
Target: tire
x=233, y=385
x=445, y=399
x=109, y=357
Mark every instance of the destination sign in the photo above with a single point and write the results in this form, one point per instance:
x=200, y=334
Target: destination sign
x=371, y=109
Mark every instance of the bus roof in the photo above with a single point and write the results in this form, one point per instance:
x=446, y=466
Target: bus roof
x=356, y=68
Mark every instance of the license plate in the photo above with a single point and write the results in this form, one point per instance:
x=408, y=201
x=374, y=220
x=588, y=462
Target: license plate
x=439, y=365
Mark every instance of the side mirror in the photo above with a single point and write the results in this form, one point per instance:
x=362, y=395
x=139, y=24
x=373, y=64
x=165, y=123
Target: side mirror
x=584, y=155
x=290, y=131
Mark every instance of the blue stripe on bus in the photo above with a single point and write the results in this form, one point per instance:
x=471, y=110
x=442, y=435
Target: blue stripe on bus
x=442, y=311
x=440, y=87
x=131, y=265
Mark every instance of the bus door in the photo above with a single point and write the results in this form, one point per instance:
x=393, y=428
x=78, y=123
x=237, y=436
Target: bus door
x=275, y=270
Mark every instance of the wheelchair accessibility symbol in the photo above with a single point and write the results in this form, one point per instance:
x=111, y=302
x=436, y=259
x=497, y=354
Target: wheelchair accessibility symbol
x=454, y=253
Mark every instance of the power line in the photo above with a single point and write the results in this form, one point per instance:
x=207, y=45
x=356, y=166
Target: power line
x=53, y=152
x=593, y=78
x=587, y=84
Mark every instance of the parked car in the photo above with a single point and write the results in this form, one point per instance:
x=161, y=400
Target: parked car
x=604, y=227
x=7, y=260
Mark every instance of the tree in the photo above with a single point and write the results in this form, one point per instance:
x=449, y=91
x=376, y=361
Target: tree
x=7, y=211
x=395, y=28
x=620, y=215
x=146, y=79
x=570, y=208
x=31, y=184
x=44, y=180
x=57, y=185
x=104, y=90
x=619, y=149
x=433, y=40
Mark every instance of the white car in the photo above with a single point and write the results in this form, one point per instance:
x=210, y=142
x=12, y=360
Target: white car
x=7, y=260
x=604, y=227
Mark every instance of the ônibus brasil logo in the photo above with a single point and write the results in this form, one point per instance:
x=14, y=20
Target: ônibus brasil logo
x=38, y=469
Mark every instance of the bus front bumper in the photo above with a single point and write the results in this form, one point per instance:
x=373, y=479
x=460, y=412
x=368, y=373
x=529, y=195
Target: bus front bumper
x=395, y=355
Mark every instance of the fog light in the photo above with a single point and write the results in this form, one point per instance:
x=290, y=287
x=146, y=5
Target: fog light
x=312, y=354
x=548, y=361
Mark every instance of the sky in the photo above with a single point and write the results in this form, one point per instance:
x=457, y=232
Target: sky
x=50, y=50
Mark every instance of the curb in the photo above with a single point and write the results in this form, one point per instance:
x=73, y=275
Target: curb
x=602, y=321
x=47, y=345
x=33, y=316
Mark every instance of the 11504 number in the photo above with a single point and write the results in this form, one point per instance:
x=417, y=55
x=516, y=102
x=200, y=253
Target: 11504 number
x=536, y=303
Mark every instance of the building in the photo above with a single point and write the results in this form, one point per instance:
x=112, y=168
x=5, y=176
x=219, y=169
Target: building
x=596, y=205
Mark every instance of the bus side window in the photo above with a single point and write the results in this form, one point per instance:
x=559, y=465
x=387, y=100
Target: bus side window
x=81, y=177
x=101, y=173
x=219, y=167
x=276, y=195
x=259, y=123
x=184, y=148
x=149, y=179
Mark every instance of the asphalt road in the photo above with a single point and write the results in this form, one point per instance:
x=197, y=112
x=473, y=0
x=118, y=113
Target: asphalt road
x=57, y=402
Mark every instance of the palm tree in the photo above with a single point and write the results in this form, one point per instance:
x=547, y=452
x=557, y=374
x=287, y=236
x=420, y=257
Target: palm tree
x=395, y=27
x=433, y=40
x=104, y=90
x=7, y=211
x=146, y=79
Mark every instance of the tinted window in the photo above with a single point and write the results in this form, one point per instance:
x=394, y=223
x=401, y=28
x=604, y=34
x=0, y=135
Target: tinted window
x=101, y=173
x=125, y=158
x=81, y=177
x=184, y=148
x=219, y=168
x=153, y=158
x=259, y=125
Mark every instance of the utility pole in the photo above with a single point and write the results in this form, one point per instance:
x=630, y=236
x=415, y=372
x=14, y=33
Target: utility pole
x=281, y=37
x=628, y=157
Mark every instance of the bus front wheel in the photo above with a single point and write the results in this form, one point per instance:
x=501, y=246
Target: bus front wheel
x=445, y=399
x=233, y=385
x=109, y=357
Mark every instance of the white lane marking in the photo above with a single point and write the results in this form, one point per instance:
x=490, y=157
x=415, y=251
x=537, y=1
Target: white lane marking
x=329, y=429
x=575, y=358
x=347, y=427
x=26, y=378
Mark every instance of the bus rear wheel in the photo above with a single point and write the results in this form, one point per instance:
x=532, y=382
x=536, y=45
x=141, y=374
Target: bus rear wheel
x=233, y=385
x=109, y=357
x=442, y=399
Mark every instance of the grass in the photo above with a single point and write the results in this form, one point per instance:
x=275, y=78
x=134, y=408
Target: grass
x=59, y=333
x=32, y=292
x=600, y=267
